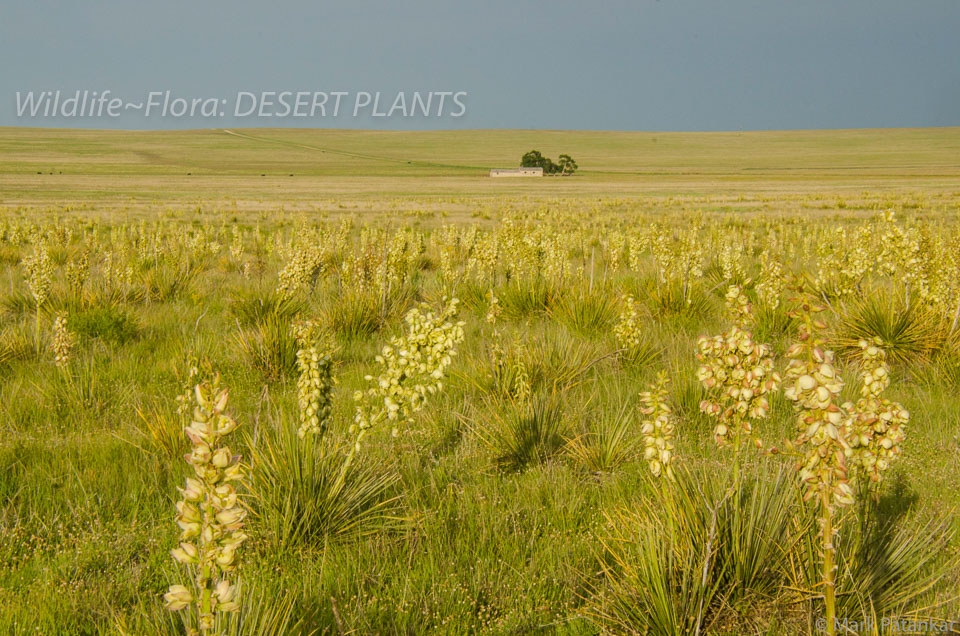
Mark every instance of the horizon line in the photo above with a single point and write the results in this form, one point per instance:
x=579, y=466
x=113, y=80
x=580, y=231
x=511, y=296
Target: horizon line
x=467, y=130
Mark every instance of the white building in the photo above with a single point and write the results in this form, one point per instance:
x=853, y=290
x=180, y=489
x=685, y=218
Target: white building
x=517, y=172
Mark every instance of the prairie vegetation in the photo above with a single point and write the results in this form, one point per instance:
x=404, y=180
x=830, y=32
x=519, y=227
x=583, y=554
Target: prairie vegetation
x=679, y=414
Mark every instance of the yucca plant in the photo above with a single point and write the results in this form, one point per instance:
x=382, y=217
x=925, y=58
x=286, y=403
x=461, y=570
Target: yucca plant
x=262, y=612
x=255, y=308
x=693, y=556
x=270, y=347
x=738, y=376
x=889, y=563
x=521, y=433
x=302, y=497
x=15, y=345
x=19, y=303
x=354, y=315
x=167, y=282
x=161, y=431
x=658, y=428
x=82, y=389
x=813, y=384
x=473, y=294
x=945, y=367
x=909, y=334
x=672, y=299
x=211, y=518
x=758, y=534
x=39, y=272
x=607, y=444
x=658, y=574
x=522, y=297
x=549, y=363
x=634, y=344
x=587, y=313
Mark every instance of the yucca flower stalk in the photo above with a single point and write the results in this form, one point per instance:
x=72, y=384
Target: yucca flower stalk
x=39, y=278
x=236, y=246
x=495, y=309
x=657, y=428
x=314, y=382
x=878, y=426
x=521, y=384
x=770, y=284
x=299, y=272
x=63, y=341
x=738, y=376
x=413, y=367
x=628, y=331
x=210, y=515
x=814, y=386
x=77, y=272
x=193, y=367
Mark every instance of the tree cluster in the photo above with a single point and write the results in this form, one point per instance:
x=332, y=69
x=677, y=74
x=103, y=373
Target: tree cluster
x=534, y=159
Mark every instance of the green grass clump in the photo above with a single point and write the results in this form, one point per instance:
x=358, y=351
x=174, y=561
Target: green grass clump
x=108, y=323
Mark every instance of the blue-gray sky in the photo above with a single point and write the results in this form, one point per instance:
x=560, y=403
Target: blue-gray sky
x=603, y=65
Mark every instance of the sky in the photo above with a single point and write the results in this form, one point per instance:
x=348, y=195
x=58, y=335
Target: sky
x=685, y=65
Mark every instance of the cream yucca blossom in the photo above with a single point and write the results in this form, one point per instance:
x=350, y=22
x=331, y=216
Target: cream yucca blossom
x=730, y=257
x=39, y=279
x=77, y=272
x=209, y=513
x=63, y=341
x=314, y=382
x=657, y=428
x=193, y=365
x=236, y=243
x=39, y=274
x=878, y=426
x=495, y=309
x=304, y=265
x=814, y=387
x=663, y=253
x=413, y=368
x=901, y=255
x=737, y=374
x=485, y=256
x=677, y=259
x=822, y=423
x=637, y=247
x=770, y=283
x=627, y=331
x=614, y=246
x=844, y=263
x=556, y=267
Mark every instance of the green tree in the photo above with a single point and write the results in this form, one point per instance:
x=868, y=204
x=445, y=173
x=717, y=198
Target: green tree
x=567, y=165
x=533, y=159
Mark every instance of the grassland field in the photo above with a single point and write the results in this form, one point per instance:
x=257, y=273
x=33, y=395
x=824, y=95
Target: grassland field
x=519, y=499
